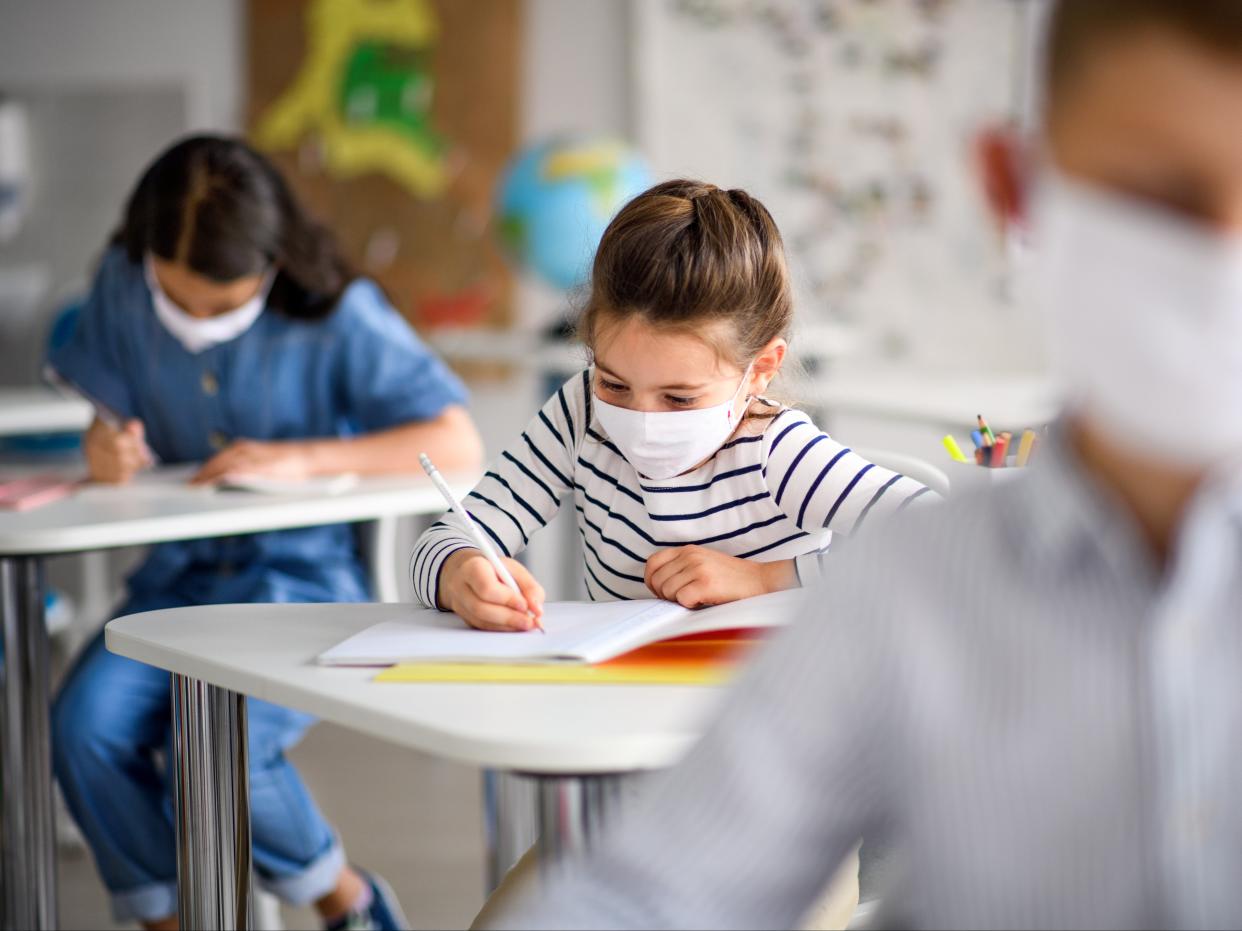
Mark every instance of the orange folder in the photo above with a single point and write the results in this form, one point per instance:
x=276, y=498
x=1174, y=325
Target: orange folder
x=698, y=659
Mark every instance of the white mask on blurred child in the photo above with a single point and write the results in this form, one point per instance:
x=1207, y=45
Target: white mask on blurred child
x=661, y=444
x=197, y=334
x=1144, y=312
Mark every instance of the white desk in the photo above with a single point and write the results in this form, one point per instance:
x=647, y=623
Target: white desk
x=579, y=741
x=41, y=410
x=158, y=507
x=155, y=509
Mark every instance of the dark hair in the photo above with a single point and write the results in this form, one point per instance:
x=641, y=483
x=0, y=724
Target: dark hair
x=685, y=253
x=217, y=206
x=1077, y=26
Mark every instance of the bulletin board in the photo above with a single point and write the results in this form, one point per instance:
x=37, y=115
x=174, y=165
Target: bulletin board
x=393, y=120
x=852, y=120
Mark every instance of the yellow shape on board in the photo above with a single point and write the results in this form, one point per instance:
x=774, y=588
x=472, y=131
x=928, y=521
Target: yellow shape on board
x=335, y=31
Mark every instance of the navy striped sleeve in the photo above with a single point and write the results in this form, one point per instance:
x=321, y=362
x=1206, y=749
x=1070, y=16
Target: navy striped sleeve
x=821, y=484
x=517, y=496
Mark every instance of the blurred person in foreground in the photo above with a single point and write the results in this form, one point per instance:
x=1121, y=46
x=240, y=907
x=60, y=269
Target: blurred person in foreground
x=1039, y=687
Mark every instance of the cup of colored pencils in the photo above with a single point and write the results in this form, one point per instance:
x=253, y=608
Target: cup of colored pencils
x=992, y=451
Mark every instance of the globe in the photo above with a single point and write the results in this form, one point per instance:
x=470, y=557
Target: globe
x=557, y=197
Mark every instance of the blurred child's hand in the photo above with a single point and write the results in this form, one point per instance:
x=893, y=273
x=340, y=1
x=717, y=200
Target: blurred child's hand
x=287, y=461
x=470, y=588
x=114, y=456
x=695, y=576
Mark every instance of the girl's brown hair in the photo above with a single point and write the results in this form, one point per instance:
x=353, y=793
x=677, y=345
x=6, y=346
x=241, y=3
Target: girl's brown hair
x=686, y=253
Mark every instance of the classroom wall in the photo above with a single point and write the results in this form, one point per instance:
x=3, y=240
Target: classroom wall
x=68, y=43
x=577, y=67
x=104, y=85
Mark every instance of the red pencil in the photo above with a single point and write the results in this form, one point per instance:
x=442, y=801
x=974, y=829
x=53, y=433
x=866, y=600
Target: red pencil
x=1000, y=450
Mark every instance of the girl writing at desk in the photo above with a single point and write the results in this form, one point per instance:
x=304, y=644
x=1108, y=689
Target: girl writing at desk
x=225, y=327
x=688, y=483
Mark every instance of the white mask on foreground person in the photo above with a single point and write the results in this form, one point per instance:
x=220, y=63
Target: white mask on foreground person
x=1144, y=314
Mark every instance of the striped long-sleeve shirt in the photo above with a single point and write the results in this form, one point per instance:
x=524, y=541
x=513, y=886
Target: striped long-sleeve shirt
x=778, y=489
x=1045, y=722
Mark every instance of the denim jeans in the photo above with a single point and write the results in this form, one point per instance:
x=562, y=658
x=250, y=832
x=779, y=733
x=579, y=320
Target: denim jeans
x=112, y=718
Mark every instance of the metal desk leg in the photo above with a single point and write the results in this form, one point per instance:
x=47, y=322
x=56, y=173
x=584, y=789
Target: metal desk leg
x=574, y=810
x=28, y=827
x=211, y=792
x=508, y=821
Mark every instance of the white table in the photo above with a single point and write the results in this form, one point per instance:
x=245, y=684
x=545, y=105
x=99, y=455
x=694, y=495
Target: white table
x=156, y=508
x=41, y=410
x=580, y=742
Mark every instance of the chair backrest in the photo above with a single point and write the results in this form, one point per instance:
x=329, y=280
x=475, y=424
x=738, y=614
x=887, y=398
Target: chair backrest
x=911, y=466
x=377, y=545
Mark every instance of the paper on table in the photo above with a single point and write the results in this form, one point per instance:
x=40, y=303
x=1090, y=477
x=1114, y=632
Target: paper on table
x=577, y=632
x=772, y=610
x=322, y=485
x=24, y=494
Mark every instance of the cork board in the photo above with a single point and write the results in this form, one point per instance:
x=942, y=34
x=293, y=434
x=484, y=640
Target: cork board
x=413, y=211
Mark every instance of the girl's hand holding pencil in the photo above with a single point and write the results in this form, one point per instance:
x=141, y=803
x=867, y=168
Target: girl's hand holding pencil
x=478, y=585
x=114, y=454
x=471, y=589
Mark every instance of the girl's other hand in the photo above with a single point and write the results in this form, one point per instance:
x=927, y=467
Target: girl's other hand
x=115, y=456
x=695, y=576
x=471, y=589
x=286, y=461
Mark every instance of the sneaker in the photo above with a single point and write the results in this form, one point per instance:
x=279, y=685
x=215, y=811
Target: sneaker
x=382, y=914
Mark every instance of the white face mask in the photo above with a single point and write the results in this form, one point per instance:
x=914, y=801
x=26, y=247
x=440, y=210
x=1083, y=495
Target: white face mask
x=661, y=444
x=1144, y=311
x=197, y=334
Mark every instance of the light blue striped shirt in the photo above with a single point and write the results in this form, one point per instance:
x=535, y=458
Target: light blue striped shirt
x=777, y=490
x=1048, y=723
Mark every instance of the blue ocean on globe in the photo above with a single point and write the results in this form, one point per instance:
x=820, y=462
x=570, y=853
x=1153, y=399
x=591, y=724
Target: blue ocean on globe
x=556, y=199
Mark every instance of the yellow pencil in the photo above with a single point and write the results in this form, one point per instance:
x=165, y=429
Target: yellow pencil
x=1025, y=446
x=954, y=451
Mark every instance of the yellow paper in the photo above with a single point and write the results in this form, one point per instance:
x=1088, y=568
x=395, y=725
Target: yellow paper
x=620, y=674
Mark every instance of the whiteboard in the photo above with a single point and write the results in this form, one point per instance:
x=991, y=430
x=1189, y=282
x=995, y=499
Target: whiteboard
x=852, y=121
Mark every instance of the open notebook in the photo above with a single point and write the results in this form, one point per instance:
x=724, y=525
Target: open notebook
x=319, y=485
x=578, y=632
